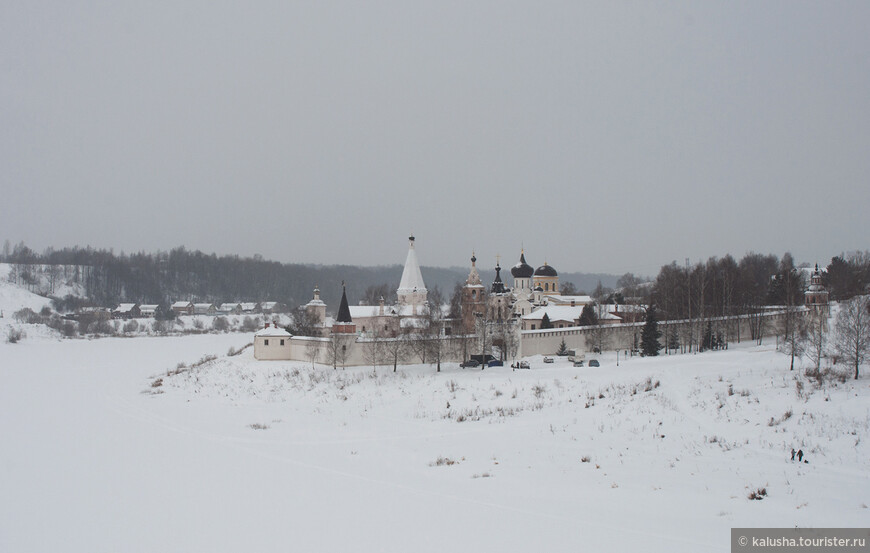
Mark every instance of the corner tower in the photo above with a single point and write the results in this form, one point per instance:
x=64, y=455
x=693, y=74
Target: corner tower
x=343, y=322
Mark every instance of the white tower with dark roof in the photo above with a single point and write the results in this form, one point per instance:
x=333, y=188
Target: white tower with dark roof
x=412, y=291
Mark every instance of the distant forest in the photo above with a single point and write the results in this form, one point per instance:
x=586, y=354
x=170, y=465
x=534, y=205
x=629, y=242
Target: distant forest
x=180, y=274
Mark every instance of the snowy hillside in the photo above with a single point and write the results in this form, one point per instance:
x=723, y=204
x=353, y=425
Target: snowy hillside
x=46, y=280
x=234, y=454
x=14, y=297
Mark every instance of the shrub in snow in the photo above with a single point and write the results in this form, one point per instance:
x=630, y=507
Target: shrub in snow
x=27, y=315
x=249, y=324
x=103, y=327
x=13, y=336
x=442, y=461
x=758, y=494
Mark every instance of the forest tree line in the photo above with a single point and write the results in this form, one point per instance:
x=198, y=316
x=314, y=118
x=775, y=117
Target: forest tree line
x=108, y=278
x=725, y=286
x=717, y=287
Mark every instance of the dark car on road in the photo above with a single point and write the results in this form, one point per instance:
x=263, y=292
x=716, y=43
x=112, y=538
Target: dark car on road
x=470, y=364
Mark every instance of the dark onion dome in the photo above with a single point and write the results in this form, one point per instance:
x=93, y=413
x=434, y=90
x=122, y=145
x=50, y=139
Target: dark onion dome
x=522, y=269
x=545, y=271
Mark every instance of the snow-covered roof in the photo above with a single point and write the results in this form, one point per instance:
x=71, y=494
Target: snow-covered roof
x=566, y=300
x=412, y=278
x=249, y=306
x=608, y=316
x=148, y=307
x=202, y=305
x=125, y=307
x=555, y=313
x=273, y=332
x=269, y=304
x=181, y=304
x=364, y=311
x=315, y=303
x=229, y=306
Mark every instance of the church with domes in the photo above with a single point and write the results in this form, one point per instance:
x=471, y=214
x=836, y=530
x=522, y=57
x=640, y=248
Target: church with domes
x=532, y=290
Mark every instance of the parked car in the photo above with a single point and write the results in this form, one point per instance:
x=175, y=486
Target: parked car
x=548, y=359
x=578, y=363
x=594, y=363
x=495, y=363
x=470, y=364
x=521, y=365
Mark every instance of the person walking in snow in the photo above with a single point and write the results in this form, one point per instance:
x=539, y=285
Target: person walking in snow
x=792, y=454
x=800, y=455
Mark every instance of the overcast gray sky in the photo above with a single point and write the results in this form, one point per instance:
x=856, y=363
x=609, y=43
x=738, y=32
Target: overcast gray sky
x=602, y=136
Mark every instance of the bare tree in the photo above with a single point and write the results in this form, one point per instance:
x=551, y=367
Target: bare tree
x=436, y=343
x=853, y=331
x=373, y=350
x=600, y=335
x=417, y=338
x=312, y=350
x=508, y=336
x=568, y=289
x=795, y=338
x=376, y=292
x=305, y=323
x=461, y=345
x=484, y=333
x=336, y=349
x=396, y=350
x=815, y=345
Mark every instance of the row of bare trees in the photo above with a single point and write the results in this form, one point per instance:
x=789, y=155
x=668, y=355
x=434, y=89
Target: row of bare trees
x=723, y=287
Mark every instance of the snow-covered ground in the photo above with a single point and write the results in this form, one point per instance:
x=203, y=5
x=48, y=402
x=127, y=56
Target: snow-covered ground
x=102, y=450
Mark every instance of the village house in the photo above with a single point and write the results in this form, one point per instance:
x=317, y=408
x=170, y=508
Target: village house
x=183, y=307
x=204, y=309
x=230, y=308
x=270, y=307
x=126, y=311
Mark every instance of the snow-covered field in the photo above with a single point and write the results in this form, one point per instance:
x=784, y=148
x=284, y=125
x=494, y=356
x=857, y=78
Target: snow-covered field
x=102, y=450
